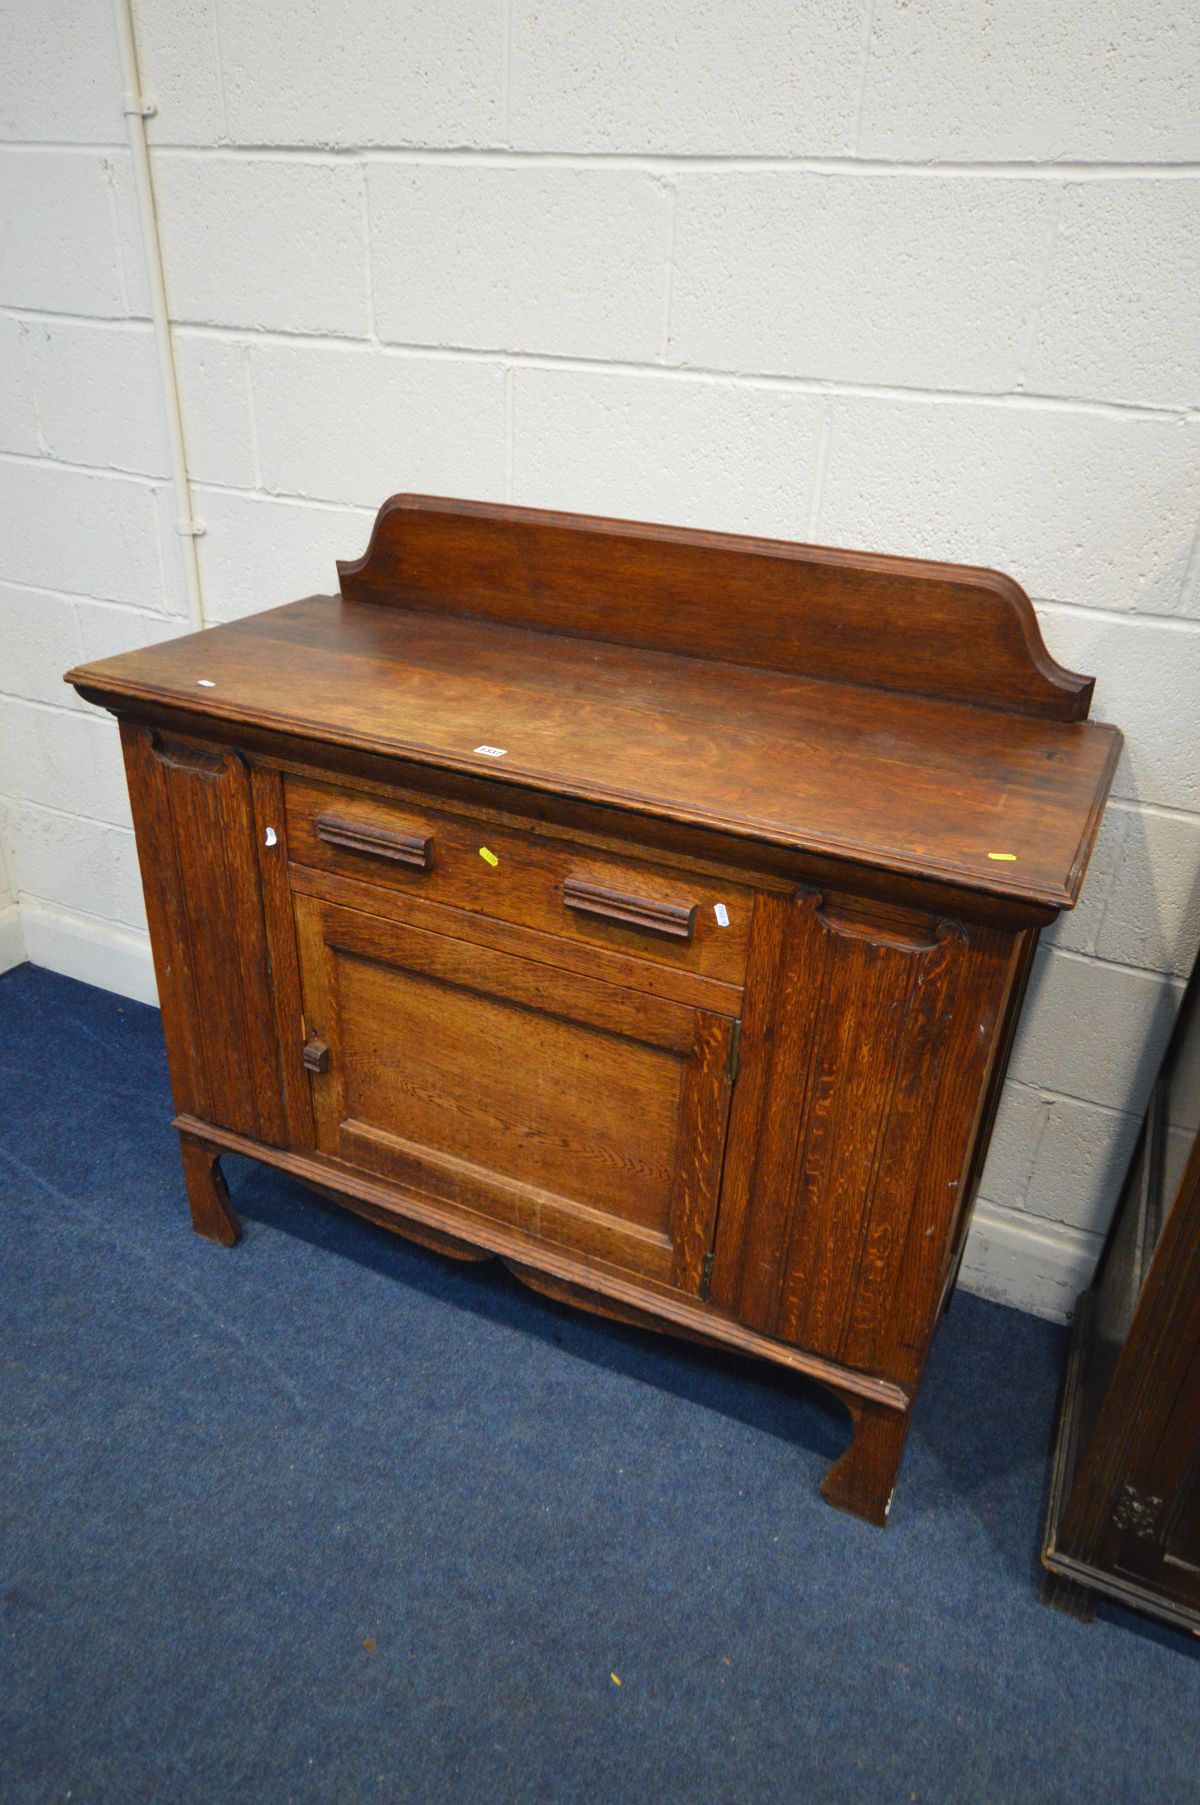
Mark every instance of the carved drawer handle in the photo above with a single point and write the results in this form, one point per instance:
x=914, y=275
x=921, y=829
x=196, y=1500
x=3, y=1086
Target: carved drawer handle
x=673, y=919
x=315, y=1057
x=376, y=842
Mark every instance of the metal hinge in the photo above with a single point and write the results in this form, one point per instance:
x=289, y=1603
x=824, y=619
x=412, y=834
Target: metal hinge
x=735, y=1048
x=706, y=1277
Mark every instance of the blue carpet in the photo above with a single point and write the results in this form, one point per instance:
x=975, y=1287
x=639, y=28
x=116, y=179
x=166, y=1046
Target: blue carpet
x=328, y=1518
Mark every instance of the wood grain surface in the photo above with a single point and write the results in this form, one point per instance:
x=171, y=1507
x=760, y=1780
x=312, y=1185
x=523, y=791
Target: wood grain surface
x=944, y=630
x=894, y=781
x=648, y=908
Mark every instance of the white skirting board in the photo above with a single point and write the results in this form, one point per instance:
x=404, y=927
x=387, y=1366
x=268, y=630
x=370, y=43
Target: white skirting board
x=1011, y=1257
x=1025, y=1261
x=12, y=943
x=97, y=952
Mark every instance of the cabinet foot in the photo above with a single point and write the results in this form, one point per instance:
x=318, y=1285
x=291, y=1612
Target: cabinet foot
x=1062, y=1594
x=863, y=1478
x=212, y=1212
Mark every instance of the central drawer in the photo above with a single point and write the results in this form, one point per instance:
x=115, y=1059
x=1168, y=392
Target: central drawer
x=646, y=909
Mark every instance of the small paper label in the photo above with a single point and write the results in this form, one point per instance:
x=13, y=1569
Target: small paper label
x=1003, y=858
x=270, y=836
x=488, y=856
x=491, y=751
x=722, y=915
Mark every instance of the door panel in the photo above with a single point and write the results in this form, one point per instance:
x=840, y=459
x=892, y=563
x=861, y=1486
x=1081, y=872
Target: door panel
x=194, y=814
x=887, y=1019
x=587, y=1114
x=1158, y=1543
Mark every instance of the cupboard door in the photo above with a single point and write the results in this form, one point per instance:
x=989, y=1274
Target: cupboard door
x=1154, y=1525
x=581, y=1112
x=886, y=1025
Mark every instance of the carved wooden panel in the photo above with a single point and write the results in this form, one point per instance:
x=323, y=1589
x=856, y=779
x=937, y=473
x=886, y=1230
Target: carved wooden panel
x=194, y=817
x=588, y=1114
x=1155, y=1525
x=887, y=1021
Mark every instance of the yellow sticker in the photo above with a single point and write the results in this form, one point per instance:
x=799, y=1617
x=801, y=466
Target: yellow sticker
x=488, y=856
x=1003, y=858
x=615, y=1679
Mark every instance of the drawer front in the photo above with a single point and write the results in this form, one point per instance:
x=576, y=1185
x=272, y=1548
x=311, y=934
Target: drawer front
x=657, y=912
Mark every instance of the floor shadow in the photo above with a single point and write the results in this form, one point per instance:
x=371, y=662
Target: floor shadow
x=760, y=1396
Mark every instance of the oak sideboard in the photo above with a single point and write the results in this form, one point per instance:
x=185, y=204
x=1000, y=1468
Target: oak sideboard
x=648, y=908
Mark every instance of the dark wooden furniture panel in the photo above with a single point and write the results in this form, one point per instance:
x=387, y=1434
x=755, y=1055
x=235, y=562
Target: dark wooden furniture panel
x=1124, y=1514
x=650, y=909
x=884, y=1033
x=199, y=867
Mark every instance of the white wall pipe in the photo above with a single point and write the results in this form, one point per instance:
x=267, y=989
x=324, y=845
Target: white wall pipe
x=137, y=111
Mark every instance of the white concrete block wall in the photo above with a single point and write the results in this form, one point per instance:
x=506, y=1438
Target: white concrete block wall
x=12, y=941
x=89, y=561
x=883, y=273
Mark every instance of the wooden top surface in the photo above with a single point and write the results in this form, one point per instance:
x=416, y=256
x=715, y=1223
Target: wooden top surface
x=911, y=783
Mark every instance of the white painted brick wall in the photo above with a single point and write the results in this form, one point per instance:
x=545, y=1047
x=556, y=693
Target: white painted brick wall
x=1123, y=274
x=897, y=279
x=1148, y=682
x=428, y=72
x=258, y=552
x=67, y=230
x=99, y=400
x=70, y=762
x=521, y=258
x=1093, y=1029
x=18, y=420
x=213, y=376
x=907, y=276
x=44, y=43
x=444, y=419
x=1097, y=509
x=656, y=75
x=257, y=242
x=1080, y=80
x=731, y=456
x=39, y=632
x=87, y=532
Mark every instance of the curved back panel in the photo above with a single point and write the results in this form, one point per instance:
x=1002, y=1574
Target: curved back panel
x=942, y=630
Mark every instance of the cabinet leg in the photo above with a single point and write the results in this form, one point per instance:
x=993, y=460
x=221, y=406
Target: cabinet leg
x=863, y=1478
x=212, y=1212
x=1063, y=1594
